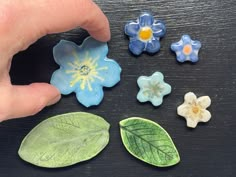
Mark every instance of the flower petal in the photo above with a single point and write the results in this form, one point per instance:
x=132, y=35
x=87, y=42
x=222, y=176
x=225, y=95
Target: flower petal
x=142, y=97
x=146, y=20
x=108, y=72
x=204, y=101
x=157, y=77
x=191, y=123
x=193, y=57
x=181, y=57
x=132, y=29
x=177, y=46
x=156, y=101
x=166, y=89
x=94, y=48
x=206, y=116
x=143, y=81
x=136, y=47
x=89, y=98
x=190, y=98
x=186, y=39
x=159, y=28
x=61, y=81
x=63, y=52
x=196, y=45
x=183, y=110
x=153, y=46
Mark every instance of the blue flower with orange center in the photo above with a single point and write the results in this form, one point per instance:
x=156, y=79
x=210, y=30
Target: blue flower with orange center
x=84, y=70
x=186, y=49
x=145, y=34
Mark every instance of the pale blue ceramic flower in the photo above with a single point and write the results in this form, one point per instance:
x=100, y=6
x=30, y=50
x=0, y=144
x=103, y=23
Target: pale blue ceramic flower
x=84, y=70
x=153, y=88
x=186, y=49
x=145, y=34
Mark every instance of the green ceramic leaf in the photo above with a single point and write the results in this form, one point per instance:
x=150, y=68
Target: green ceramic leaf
x=65, y=139
x=149, y=142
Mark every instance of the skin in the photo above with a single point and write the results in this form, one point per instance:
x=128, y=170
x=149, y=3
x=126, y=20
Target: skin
x=21, y=24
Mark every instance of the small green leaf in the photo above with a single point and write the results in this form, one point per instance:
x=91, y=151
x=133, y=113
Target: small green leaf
x=65, y=140
x=149, y=142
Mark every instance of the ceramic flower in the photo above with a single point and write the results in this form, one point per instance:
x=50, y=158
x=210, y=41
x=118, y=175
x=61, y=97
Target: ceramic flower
x=153, y=88
x=84, y=70
x=194, y=109
x=144, y=34
x=186, y=49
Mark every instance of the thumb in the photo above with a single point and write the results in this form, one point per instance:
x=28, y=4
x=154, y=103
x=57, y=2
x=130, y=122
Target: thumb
x=27, y=100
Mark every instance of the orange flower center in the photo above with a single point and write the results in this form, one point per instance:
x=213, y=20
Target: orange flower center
x=145, y=33
x=195, y=109
x=187, y=49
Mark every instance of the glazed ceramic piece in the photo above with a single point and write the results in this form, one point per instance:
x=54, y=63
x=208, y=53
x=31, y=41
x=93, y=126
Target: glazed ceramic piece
x=153, y=88
x=186, y=49
x=65, y=140
x=194, y=109
x=149, y=142
x=84, y=70
x=145, y=34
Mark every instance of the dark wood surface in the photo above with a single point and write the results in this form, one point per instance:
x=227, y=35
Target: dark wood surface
x=207, y=151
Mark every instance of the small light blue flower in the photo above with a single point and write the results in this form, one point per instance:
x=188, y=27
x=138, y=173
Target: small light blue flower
x=145, y=34
x=84, y=70
x=186, y=49
x=153, y=88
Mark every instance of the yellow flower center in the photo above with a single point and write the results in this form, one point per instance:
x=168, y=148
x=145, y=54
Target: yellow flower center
x=195, y=109
x=85, y=71
x=145, y=33
x=187, y=49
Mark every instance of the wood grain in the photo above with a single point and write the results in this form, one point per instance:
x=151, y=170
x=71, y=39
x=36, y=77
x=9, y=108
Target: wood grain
x=207, y=151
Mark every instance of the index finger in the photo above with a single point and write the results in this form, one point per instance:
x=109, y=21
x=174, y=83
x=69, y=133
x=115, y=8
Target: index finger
x=23, y=22
x=58, y=16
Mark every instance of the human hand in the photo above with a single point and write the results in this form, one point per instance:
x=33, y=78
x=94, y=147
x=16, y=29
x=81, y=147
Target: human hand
x=24, y=22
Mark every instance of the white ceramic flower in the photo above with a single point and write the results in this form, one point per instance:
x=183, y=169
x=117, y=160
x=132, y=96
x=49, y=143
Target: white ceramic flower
x=194, y=109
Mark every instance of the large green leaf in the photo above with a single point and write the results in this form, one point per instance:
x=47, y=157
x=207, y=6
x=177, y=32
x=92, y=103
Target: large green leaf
x=149, y=142
x=65, y=139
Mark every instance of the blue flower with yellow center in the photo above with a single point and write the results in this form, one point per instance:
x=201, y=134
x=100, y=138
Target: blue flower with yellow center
x=84, y=70
x=186, y=49
x=145, y=34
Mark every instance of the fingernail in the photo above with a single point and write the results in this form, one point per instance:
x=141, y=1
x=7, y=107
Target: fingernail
x=54, y=100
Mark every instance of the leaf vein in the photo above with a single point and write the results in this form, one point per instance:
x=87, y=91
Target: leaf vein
x=158, y=149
